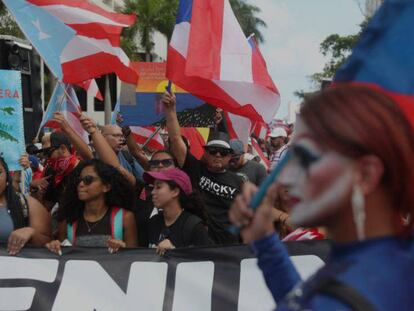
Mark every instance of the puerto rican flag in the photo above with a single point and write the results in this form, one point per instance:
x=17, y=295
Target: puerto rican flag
x=77, y=40
x=383, y=58
x=210, y=57
x=142, y=133
x=64, y=100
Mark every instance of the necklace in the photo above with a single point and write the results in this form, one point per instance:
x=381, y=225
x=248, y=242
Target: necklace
x=90, y=228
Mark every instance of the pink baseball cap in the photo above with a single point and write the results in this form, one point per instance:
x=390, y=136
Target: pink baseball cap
x=174, y=174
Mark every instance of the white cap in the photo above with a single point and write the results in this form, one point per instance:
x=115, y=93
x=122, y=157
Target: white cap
x=278, y=132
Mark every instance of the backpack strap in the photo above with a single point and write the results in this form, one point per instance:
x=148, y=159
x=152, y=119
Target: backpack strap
x=117, y=223
x=71, y=232
x=190, y=223
x=347, y=294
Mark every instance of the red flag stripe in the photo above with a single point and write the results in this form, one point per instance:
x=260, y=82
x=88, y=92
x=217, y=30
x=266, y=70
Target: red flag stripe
x=206, y=62
x=96, y=65
x=124, y=19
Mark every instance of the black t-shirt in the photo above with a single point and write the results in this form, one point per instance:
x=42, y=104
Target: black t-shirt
x=187, y=230
x=218, y=191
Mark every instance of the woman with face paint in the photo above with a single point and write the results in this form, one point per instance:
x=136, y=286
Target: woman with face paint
x=351, y=171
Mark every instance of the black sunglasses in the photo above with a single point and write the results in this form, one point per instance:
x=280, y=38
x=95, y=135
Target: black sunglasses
x=165, y=163
x=46, y=151
x=222, y=151
x=87, y=180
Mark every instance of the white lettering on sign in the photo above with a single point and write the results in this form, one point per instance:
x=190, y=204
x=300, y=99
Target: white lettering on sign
x=193, y=286
x=87, y=286
x=21, y=298
x=254, y=294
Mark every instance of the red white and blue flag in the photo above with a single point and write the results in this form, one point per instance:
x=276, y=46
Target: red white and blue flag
x=210, y=57
x=77, y=40
x=142, y=133
x=64, y=100
x=383, y=58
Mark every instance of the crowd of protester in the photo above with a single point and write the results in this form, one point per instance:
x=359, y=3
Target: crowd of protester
x=349, y=179
x=110, y=192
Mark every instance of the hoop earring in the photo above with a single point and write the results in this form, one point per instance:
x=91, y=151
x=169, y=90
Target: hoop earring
x=358, y=211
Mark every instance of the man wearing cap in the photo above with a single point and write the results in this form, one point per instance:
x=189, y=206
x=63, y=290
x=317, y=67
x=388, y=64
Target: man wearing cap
x=278, y=140
x=218, y=185
x=249, y=170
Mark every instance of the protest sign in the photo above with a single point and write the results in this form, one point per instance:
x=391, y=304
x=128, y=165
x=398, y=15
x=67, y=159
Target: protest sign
x=205, y=278
x=12, y=144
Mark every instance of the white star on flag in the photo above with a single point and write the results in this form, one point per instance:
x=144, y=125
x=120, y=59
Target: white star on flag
x=42, y=35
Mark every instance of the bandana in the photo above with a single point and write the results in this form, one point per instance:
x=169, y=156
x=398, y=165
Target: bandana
x=62, y=166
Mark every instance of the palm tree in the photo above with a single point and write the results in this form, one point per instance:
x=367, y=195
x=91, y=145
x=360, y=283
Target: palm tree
x=153, y=15
x=247, y=16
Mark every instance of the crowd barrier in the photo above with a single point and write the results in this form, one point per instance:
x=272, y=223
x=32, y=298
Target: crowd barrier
x=207, y=278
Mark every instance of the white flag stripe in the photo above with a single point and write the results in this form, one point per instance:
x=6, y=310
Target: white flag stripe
x=263, y=100
x=180, y=38
x=236, y=53
x=71, y=15
x=81, y=46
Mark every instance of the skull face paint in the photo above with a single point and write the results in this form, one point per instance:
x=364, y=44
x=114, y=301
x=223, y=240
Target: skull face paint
x=319, y=181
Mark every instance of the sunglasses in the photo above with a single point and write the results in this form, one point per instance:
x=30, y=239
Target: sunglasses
x=46, y=151
x=214, y=150
x=87, y=180
x=165, y=163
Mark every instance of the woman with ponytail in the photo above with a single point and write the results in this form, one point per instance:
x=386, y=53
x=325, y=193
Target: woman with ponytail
x=182, y=220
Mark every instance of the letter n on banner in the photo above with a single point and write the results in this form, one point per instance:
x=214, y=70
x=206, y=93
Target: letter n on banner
x=87, y=286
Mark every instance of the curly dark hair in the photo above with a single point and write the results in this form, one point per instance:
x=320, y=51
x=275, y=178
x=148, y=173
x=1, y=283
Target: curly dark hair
x=121, y=193
x=191, y=203
x=14, y=204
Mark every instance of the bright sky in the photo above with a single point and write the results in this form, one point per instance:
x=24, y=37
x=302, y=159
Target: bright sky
x=295, y=29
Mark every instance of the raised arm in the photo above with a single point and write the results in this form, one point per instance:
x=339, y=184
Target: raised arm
x=103, y=149
x=177, y=145
x=78, y=143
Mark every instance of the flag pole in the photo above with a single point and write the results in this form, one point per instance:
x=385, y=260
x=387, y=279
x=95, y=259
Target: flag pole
x=151, y=137
x=44, y=114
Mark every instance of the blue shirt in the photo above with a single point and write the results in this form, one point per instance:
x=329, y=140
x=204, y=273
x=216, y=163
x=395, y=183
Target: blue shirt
x=381, y=270
x=6, y=225
x=134, y=169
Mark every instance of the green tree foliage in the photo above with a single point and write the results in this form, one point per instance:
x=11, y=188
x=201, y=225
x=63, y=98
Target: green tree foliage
x=337, y=48
x=247, y=16
x=153, y=15
x=7, y=24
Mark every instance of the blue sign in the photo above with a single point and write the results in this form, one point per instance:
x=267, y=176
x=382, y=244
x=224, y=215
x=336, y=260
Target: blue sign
x=11, y=118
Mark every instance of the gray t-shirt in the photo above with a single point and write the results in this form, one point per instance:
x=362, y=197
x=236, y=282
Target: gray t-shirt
x=6, y=225
x=252, y=171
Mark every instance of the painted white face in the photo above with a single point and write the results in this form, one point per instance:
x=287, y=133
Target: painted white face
x=319, y=181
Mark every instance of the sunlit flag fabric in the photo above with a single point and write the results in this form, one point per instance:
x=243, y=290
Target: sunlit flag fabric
x=77, y=40
x=64, y=100
x=210, y=57
x=384, y=56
